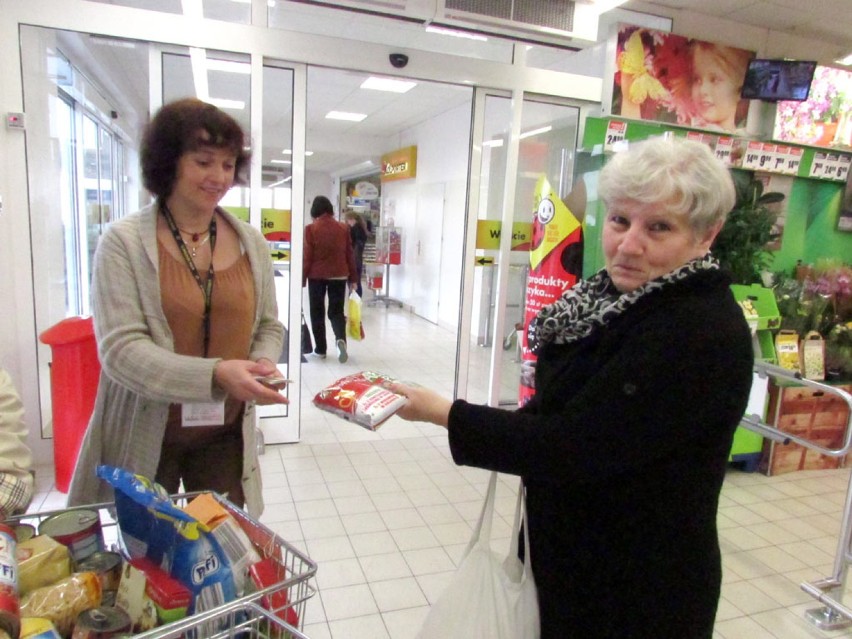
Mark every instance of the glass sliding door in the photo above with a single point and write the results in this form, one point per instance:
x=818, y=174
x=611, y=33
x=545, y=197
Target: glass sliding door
x=85, y=114
x=544, y=160
x=75, y=164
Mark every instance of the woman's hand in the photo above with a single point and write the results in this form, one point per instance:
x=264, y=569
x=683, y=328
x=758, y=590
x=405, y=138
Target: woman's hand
x=423, y=405
x=237, y=378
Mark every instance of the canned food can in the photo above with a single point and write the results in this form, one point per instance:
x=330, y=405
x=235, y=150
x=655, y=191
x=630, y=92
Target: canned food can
x=80, y=530
x=23, y=532
x=101, y=623
x=107, y=566
x=10, y=617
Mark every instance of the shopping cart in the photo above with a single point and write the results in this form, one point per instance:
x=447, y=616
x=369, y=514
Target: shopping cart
x=238, y=619
x=263, y=613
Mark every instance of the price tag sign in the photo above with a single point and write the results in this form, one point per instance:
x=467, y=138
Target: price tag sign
x=767, y=157
x=794, y=160
x=818, y=166
x=615, y=134
x=751, y=159
x=831, y=166
x=706, y=138
x=724, y=148
x=781, y=154
x=843, y=163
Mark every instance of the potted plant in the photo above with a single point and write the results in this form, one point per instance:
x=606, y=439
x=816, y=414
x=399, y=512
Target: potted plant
x=740, y=246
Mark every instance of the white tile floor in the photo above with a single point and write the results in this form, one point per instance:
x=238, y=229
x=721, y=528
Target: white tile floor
x=386, y=514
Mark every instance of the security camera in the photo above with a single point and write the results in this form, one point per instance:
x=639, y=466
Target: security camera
x=398, y=60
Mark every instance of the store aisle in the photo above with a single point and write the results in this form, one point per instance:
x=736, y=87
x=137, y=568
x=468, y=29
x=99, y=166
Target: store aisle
x=387, y=514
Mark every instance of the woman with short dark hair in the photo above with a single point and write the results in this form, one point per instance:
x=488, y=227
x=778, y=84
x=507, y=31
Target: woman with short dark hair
x=186, y=318
x=328, y=264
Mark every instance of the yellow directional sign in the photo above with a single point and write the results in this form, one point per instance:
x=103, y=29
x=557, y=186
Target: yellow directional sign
x=481, y=260
x=488, y=235
x=280, y=255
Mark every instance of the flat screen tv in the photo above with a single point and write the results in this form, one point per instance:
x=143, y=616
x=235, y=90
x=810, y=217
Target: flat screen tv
x=774, y=80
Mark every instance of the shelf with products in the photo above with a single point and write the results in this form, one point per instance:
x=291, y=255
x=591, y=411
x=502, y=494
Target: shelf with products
x=795, y=160
x=388, y=252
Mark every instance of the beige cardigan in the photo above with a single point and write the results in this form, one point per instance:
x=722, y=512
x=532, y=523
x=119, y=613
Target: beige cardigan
x=141, y=374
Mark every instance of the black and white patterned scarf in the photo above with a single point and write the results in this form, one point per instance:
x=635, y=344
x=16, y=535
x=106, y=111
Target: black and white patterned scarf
x=594, y=302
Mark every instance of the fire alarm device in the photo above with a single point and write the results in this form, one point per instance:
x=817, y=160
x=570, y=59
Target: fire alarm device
x=15, y=121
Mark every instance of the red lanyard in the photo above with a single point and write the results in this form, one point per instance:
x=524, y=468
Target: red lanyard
x=206, y=287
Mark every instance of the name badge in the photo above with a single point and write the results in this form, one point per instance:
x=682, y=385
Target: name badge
x=203, y=414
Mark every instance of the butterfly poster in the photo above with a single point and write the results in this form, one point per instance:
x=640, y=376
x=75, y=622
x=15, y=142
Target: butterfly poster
x=670, y=78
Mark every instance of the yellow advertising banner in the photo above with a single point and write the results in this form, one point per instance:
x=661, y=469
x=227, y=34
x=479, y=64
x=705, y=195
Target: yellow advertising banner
x=400, y=164
x=488, y=235
x=274, y=223
x=554, y=223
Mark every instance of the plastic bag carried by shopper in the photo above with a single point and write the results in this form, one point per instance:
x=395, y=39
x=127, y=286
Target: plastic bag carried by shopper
x=354, y=330
x=489, y=596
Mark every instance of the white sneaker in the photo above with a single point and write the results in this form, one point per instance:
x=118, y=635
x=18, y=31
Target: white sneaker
x=342, y=355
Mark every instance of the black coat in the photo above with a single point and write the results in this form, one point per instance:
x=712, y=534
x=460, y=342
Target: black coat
x=623, y=451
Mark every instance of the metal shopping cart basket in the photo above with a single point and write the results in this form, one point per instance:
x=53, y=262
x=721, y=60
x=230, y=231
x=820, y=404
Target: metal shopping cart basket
x=274, y=612
x=238, y=619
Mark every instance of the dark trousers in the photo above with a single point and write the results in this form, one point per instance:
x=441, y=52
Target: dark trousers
x=336, y=290
x=213, y=462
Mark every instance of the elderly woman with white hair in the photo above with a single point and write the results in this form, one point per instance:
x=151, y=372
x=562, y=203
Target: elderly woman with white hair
x=643, y=373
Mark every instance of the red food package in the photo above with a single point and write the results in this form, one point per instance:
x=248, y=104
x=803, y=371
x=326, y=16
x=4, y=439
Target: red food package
x=171, y=598
x=361, y=398
x=268, y=572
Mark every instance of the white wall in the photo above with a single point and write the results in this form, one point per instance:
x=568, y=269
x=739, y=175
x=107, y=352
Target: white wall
x=442, y=159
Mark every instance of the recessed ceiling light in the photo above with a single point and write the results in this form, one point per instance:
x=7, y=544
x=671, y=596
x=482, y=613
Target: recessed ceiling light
x=388, y=84
x=280, y=182
x=228, y=66
x=533, y=132
x=343, y=115
x=493, y=143
x=224, y=103
x=280, y=162
x=290, y=152
x=456, y=33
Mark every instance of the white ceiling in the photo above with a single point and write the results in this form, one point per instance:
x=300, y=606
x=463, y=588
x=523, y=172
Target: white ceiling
x=338, y=145
x=819, y=20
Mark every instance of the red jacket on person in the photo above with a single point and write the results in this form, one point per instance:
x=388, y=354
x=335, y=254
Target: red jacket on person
x=328, y=251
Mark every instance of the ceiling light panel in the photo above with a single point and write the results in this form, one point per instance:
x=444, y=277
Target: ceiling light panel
x=346, y=116
x=391, y=85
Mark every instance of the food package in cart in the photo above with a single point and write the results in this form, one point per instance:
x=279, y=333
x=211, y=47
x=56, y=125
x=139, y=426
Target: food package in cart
x=177, y=542
x=236, y=544
x=361, y=398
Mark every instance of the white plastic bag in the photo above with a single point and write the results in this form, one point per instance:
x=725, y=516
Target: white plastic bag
x=489, y=597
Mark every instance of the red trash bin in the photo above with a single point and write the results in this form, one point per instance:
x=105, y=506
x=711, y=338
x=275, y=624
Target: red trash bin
x=74, y=375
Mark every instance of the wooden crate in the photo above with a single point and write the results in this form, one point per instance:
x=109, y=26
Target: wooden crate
x=809, y=413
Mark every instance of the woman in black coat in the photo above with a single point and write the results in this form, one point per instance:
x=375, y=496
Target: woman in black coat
x=643, y=374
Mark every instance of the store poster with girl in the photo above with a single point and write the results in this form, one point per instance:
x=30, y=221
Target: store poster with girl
x=670, y=78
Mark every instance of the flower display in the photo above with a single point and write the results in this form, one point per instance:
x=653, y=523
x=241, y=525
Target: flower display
x=819, y=298
x=817, y=120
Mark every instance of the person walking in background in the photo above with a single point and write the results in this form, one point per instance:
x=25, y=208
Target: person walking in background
x=643, y=374
x=328, y=264
x=185, y=318
x=358, y=233
x=16, y=458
